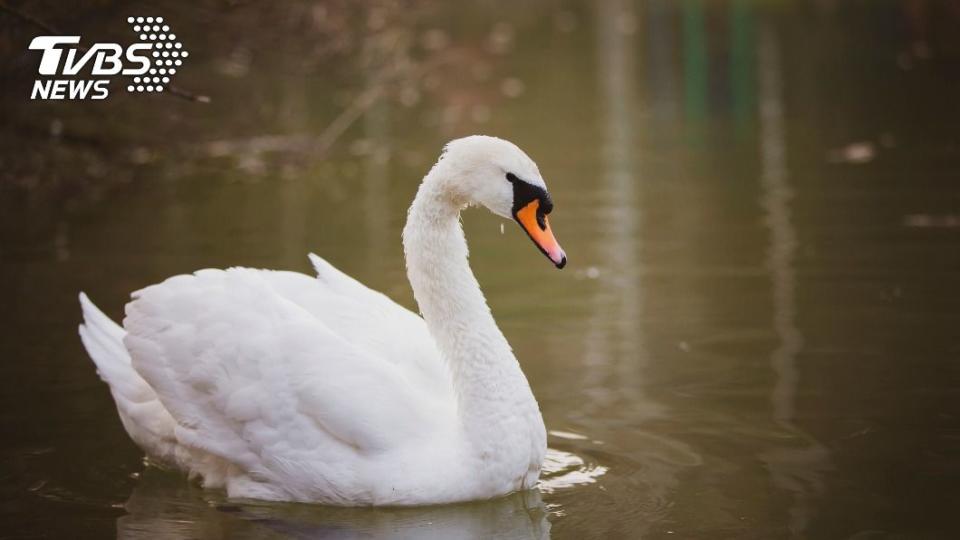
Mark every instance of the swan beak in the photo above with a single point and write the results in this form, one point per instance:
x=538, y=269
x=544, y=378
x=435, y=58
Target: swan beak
x=537, y=227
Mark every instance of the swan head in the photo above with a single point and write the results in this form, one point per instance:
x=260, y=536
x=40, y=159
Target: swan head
x=496, y=174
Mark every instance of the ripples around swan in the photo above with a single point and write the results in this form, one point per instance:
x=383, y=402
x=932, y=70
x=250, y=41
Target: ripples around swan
x=567, y=470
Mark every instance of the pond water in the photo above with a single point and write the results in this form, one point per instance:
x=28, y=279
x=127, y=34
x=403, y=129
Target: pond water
x=756, y=336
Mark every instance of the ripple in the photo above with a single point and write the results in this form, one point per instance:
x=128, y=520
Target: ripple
x=565, y=470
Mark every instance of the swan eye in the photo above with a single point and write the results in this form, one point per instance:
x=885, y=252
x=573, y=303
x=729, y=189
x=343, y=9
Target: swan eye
x=546, y=204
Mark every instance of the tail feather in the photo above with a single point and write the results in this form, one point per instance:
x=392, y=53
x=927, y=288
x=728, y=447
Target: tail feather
x=103, y=340
x=147, y=422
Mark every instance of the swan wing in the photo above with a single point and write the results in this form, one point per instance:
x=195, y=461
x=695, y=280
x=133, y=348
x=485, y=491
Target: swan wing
x=253, y=378
x=370, y=320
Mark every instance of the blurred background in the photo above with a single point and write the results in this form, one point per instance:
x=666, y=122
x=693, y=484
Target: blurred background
x=757, y=333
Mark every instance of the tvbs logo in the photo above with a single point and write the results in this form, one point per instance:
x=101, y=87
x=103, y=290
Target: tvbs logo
x=150, y=63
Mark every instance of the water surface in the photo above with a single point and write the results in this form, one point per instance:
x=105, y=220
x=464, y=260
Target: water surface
x=756, y=336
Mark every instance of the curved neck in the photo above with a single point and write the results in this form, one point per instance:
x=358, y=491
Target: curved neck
x=486, y=376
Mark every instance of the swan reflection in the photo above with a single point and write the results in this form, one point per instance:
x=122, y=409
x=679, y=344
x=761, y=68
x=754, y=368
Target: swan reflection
x=164, y=505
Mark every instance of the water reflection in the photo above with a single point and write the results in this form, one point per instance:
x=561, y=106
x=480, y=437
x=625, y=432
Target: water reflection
x=695, y=66
x=662, y=88
x=376, y=151
x=615, y=353
x=798, y=468
x=616, y=305
x=163, y=505
x=296, y=204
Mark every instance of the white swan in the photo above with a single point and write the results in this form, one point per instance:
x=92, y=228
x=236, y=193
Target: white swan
x=275, y=385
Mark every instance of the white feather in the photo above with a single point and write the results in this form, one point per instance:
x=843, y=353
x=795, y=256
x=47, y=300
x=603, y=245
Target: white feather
x=276, y=385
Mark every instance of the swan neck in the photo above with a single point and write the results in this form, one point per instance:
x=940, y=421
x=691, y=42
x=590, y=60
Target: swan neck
x=486, y=376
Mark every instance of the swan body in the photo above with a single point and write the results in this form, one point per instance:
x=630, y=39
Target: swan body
x=276, y=385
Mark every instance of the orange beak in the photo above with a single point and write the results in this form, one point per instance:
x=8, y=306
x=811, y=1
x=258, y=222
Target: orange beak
x=535, y=223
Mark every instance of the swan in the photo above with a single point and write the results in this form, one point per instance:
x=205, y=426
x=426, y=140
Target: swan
x=279, y=386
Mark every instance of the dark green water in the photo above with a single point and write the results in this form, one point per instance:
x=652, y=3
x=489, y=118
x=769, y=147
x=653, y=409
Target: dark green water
x=757, y=333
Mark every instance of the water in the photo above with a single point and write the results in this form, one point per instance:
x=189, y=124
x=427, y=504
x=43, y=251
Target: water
x=756, y=334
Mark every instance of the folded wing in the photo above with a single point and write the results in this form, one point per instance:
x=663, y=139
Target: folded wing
x=286, y=378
